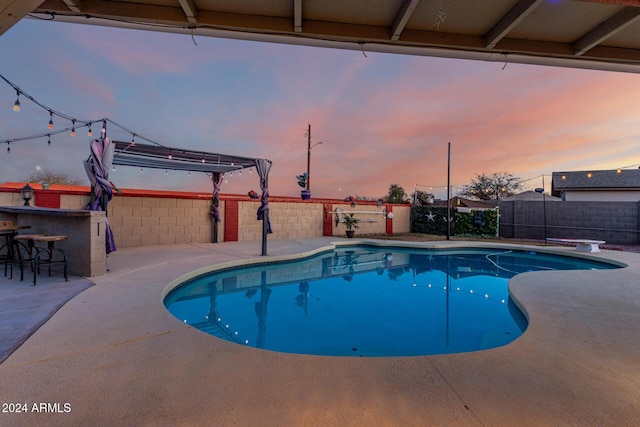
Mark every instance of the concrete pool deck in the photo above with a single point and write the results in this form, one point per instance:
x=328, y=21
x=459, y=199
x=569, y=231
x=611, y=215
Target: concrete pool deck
x=114, y=356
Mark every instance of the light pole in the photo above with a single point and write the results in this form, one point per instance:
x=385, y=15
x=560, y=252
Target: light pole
x=544, y=207
x=309, y=147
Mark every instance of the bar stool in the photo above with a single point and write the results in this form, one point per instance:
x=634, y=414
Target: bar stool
x=7, y=231
x=25, y=254
x=49, y=251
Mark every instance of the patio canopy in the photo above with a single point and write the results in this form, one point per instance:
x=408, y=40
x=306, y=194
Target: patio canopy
x=161, y=157
x=214, y=164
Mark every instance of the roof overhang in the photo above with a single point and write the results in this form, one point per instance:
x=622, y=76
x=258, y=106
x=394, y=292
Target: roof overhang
x=592, y=34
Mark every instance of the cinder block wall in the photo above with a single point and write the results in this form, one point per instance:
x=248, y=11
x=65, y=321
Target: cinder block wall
x=614, y=222
x=401, y=219
x=11, y=199
x=143, y=221
x=371, y=219
x=143, y=218
x=289, y=220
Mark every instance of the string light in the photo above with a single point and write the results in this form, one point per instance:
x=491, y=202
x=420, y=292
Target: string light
x=52, y=112
x=133, y=139
x=170, y=156
x=16, y=105
x=8, y=147
x=48, y=139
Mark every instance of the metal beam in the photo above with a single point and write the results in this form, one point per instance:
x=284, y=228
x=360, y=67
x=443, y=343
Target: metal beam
x=190, y=10
x=74, y=5
x=510, y=20
x=297, y=16
x=606, y=29
x=401, y=19
x=11, y=11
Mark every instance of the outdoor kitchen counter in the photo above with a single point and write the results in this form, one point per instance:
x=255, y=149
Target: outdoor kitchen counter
x=85, y=248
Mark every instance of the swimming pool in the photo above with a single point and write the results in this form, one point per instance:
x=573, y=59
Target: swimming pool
x=368, y=301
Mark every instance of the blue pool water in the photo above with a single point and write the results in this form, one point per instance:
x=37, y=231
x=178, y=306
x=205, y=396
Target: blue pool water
x=368, y=301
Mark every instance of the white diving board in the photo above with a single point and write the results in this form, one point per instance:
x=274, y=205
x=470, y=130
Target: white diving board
x=582, y=245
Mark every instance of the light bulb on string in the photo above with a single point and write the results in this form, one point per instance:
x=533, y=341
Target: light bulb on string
x=73, y=128
x=113, y=168
x=48, y=139
x=166, y=172
x=202, y=161
x=133, y=139
x=189, y=173
x=141, y=170
x=8, y=147
x=16, y=105
x=50, y=119
x=89, y=133
x=104, y=128
x=170, y=156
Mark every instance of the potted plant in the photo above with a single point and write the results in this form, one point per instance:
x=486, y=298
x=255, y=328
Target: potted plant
x=351, y=222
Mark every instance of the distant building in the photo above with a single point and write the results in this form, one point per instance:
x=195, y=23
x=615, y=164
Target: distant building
x=531, y=195
x=622, y=185
x=461, y=202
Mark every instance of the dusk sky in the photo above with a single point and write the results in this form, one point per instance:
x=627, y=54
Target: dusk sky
x=383, y=119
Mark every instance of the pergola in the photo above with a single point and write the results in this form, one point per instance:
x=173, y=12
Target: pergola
x=213, y=164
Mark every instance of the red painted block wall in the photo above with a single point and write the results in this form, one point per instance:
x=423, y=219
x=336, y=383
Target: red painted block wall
x=47, y=199
x=389, y=221
x=231, y=213
x=327, y=226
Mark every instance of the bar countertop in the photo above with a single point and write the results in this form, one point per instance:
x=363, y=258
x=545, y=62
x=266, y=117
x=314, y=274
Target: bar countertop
x=34, y=210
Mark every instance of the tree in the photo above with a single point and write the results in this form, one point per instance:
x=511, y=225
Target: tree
x=496, y=186
x=52, y=177
x=422, y=198
x=396, y=194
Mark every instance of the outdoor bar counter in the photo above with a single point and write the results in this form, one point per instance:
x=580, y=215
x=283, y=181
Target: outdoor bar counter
x=85, y=247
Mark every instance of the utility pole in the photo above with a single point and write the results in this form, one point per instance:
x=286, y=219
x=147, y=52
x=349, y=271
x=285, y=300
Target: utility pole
x=308, y=157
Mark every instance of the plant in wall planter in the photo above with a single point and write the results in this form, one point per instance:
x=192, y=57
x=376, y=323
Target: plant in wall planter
x=351, y=222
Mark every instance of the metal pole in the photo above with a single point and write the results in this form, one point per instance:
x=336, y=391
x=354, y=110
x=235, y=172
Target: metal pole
x=214, y=178
x=544, y=210
x=309, y=158
x=265, y=215
x=449, y=191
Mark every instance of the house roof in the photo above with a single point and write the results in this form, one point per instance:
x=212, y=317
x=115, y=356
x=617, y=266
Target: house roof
x=593, y=34
x=620, y=179
x=531, y=195
x=457, y=202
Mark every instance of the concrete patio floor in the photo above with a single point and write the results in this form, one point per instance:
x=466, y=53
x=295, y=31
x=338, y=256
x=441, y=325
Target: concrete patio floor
x=113, y=356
